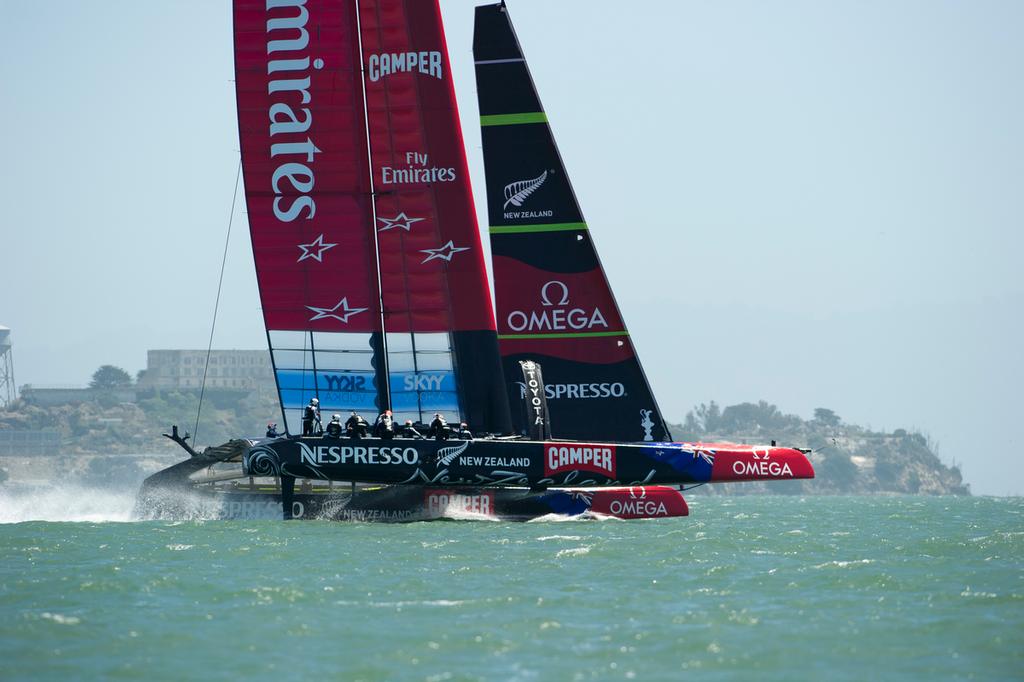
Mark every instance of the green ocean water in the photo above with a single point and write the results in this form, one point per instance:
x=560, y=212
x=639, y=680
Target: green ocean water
x=768, y=588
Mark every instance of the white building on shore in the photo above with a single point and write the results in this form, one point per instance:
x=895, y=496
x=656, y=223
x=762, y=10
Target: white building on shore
x=231, y=369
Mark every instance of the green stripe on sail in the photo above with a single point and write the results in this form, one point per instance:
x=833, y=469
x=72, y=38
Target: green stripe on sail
x=561, y=335
x=514, y=119
x=549, y=227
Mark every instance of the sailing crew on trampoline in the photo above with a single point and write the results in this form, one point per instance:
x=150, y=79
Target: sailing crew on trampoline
x=356, y=426
x=272, y=431
x=463, y=432
x=384, y=427
x=409, y=431
x=439, y=429
x=333, y=429
x=311, y=418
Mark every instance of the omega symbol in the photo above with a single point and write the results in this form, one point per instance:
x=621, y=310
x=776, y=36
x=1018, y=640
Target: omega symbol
x=546, y=300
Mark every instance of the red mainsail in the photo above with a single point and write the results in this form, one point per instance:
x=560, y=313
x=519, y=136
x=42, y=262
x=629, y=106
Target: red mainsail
x=364, y=233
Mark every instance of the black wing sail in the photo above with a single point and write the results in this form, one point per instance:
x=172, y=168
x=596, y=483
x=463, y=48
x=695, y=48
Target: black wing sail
x=554, y=305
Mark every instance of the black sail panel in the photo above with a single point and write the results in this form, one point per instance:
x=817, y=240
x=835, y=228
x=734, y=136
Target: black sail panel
x=554, y=305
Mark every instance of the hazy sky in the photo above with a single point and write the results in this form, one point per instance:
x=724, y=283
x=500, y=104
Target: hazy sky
x=814, y=204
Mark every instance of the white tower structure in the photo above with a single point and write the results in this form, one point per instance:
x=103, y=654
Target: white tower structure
x=8, y=393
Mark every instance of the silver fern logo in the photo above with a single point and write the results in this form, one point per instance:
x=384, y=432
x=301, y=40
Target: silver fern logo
x=517, y=192
x=445, y=456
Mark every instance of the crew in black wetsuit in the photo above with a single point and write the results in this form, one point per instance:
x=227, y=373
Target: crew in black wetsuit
x=384, y=427
x=311, y=418
x=356, y=426
x=272, y=431
x=463, y=432
x=409, y=431
x=438, y=428
x=333, y=429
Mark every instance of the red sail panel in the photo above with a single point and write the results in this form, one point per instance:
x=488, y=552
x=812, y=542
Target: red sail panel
x=567, y=315
x=442, y=347
x=302, y=125
x=432, y=268
x=303, y=136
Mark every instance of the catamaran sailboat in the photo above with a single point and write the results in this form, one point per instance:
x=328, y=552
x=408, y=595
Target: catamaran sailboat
x=375, y=295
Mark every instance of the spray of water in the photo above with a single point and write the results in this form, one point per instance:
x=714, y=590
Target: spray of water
x=65, y=502
x=77, y=501
x=585, y=516
x=463, y=515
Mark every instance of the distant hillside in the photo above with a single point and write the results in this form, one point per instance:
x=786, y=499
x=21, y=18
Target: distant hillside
x=847, y=458
x=109, y=427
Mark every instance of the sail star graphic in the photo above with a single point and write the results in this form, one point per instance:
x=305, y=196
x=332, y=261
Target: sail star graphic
x=314, y=250
x=343, y=316
x=445, y=252
x=401, y=220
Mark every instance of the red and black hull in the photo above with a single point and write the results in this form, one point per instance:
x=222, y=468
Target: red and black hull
x=399, y=504
x=520, y=463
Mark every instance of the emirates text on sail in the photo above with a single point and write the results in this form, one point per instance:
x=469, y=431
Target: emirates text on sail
x=416, y=171
x=287, y=43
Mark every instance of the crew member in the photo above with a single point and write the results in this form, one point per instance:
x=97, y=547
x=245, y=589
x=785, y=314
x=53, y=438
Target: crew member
x=356, y=426
x=409, y=431
x=272, y=431
x=438, y=428
x=384, y=427
x=463, y=432
x=311, y=418
x=333, y=429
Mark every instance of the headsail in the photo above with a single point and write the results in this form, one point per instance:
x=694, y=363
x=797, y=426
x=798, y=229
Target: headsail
x=554, y=302
x=365, y=238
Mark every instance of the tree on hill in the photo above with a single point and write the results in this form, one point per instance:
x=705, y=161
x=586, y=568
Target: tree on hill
x=825, y=416
x=108, y=377
x=702, y=418
x=752, y=418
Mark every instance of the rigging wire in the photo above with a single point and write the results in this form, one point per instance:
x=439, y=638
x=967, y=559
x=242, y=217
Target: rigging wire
x=216, y=305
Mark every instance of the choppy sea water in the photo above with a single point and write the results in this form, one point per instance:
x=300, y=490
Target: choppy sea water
x=773, y=588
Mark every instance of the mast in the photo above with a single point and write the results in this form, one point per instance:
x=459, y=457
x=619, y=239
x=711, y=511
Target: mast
x=554, y=302
x=379, y=341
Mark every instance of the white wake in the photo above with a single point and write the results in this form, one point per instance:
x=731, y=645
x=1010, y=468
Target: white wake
x=65, y=502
